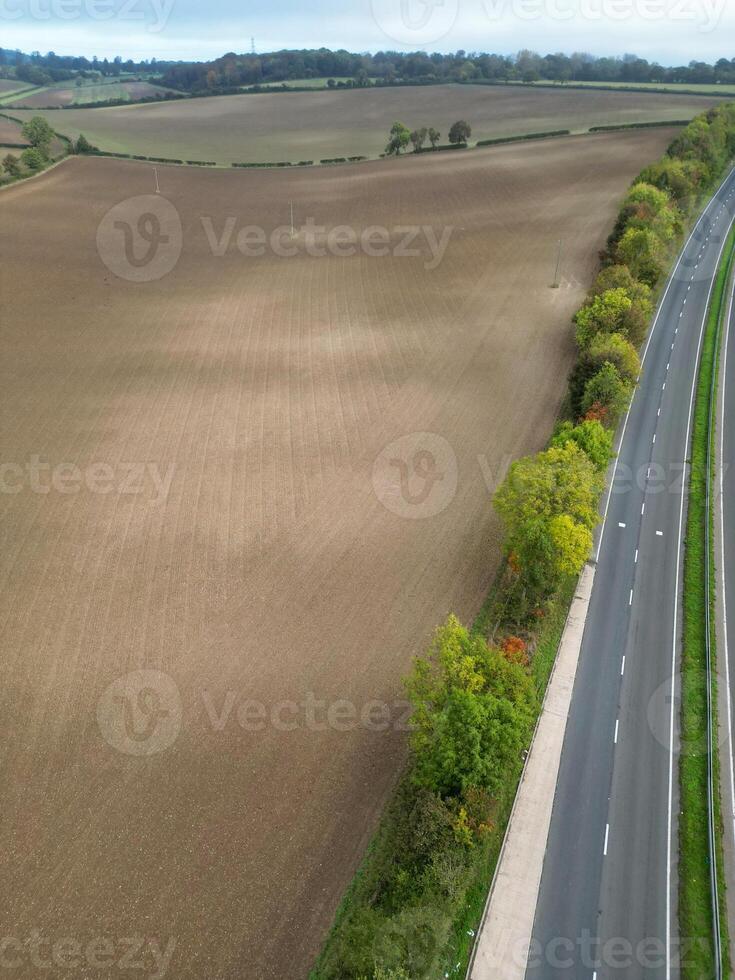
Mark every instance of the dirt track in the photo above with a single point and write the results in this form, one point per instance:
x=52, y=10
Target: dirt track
x=266, y=387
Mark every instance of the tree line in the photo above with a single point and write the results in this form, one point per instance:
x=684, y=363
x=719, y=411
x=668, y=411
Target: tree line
x=400, y=136
x=390, y=67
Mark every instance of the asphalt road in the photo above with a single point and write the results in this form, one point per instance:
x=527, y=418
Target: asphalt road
x=607, y=902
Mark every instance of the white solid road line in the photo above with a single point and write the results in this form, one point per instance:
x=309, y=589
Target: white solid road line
x=725, y=637
x=675, y=643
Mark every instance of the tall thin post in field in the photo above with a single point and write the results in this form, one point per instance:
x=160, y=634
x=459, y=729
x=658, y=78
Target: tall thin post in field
x=155, y=173
x=558, y=266
x=292, y=228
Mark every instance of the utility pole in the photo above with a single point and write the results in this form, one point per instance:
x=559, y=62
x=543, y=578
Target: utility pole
x=558, y=266
x=293, y=233
x=155, y=173
x=252, y=45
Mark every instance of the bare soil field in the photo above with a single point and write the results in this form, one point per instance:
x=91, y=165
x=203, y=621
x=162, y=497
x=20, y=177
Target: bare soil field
x=11, y=134
x=11, y=85
x=215, y=477
x=64, y=95
x=312, y=126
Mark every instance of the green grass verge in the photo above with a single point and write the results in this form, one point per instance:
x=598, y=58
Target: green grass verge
x=695, y=900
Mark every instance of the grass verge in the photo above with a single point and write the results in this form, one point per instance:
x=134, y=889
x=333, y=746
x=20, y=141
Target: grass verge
x=695, y=899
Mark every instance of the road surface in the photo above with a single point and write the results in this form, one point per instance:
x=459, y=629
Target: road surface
x=607, y=902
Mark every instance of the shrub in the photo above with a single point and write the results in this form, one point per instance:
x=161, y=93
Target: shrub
x=83, y=145
x=605, y=314
x=34, y=159
x=642, y=251
x=473, y=714
x=538, y=490
x=606, y=389
x=591, y=437
x=11, y=165
x=615, y=349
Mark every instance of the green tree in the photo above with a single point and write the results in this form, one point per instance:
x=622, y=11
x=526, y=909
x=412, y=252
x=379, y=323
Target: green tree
x=399, y=138
x=563, y=480
x=607, y=389
x=434, y=137
x=460, y=132
x=634, y=323
x=11, y=165
x=38, y=133
x=615, y=349
x=605, y=314
x=418, y=138
x=33, y=158
x=473, y=713
x=642, y=251
x=83, y=145
x=571, y=545
x=591, y=437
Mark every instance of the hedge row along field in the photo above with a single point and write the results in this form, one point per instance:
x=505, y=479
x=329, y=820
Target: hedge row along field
x=414, y=904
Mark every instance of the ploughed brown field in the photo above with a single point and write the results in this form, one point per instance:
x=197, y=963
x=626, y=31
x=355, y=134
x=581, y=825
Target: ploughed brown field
x=11, y=134
x=295, y=126
x=214, y=477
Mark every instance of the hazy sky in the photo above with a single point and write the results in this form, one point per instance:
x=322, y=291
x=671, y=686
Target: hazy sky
x=669, y=31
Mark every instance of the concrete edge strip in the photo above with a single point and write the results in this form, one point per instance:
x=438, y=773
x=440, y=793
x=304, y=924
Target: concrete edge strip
x=507, y=924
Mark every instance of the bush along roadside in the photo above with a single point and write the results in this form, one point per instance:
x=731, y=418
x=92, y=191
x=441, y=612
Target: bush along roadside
x=417, y=898
x=696, y=901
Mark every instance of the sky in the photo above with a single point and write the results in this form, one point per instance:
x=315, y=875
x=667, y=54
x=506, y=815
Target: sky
x=668, y=31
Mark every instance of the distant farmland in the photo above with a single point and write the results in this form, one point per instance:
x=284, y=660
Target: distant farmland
x=271, y=560
x=69, y=93
x=313, y=125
